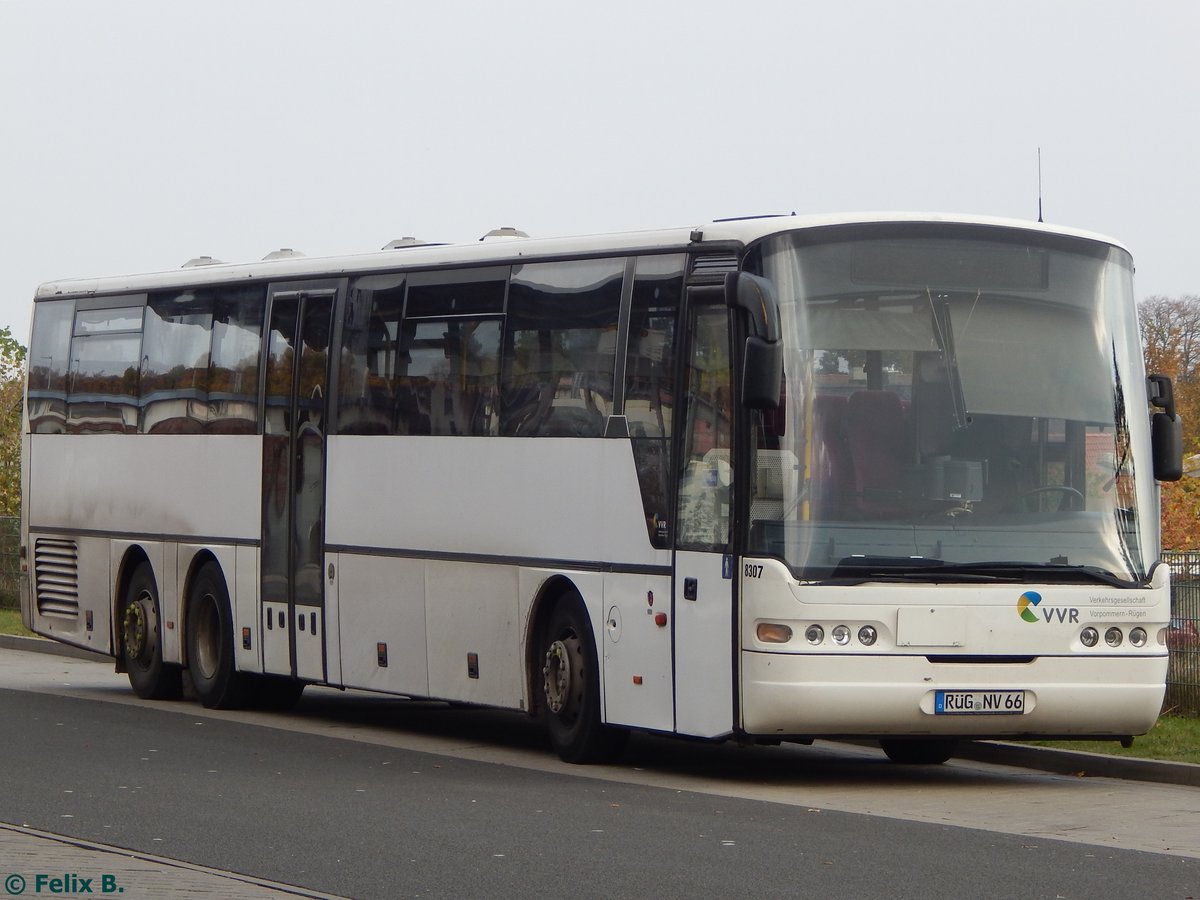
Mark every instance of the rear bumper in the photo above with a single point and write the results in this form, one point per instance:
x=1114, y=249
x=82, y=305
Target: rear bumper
x=813, y=696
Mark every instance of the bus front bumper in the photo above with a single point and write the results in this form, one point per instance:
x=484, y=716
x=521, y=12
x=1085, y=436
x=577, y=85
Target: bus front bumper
x=794, y=695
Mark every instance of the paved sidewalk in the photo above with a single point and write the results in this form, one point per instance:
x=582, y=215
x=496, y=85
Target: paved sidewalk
x=68, y=867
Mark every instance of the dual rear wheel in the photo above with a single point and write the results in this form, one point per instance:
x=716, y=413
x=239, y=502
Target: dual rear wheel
x=210, y=648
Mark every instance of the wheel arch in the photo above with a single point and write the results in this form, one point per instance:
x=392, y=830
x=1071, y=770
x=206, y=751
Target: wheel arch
x=135, y=555
x=554, y=590
x=198, y=561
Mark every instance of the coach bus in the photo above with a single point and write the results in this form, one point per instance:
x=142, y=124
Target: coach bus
x=770, y=479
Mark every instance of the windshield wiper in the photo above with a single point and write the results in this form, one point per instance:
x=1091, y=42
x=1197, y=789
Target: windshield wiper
x=858, y=569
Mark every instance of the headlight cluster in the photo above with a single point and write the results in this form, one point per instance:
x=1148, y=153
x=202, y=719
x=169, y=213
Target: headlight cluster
x=1113, y=637
x=839, y=635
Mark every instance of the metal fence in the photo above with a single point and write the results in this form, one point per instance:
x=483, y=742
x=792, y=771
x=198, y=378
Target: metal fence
x=1183, y=635
x=10, y=562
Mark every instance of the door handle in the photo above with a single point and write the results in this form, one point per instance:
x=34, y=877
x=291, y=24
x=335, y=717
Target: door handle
x=690, y=588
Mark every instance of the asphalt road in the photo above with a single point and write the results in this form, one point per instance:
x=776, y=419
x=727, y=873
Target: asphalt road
x=363, y=796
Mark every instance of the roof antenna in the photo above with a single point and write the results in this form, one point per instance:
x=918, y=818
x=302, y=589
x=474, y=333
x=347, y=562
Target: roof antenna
x=1039, y=184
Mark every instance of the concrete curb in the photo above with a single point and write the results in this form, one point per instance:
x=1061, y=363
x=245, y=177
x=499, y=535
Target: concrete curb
x=42, y=645
x=1003, y=753
x=1081, y=763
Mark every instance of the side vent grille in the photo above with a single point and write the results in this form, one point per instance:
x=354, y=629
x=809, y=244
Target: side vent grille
x=56, y=576
x=713, y=269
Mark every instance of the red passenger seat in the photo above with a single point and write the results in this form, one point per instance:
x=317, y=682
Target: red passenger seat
x=832, y=469
x=877, y=435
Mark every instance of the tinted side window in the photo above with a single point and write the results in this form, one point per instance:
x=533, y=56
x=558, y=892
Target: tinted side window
x=174, y=376
x=367, y=367
x=103, y=387
x=650, y=384
x=560, y=348
x=237, y=323
x=437, y=373
x=49, y=352
x=448, y=378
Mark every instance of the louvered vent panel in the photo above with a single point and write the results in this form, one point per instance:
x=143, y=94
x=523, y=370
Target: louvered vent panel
x=713, y=269
x=56, y=576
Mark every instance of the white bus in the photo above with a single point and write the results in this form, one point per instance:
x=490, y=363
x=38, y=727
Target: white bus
x=769, y=479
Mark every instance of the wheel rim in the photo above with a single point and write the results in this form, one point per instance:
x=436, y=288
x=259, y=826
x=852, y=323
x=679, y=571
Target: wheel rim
x=207, y=648
x=137, y=631
x=562, y=678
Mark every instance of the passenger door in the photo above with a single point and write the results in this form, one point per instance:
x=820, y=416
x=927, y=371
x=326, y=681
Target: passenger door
x=293, y=495
x=704, y=563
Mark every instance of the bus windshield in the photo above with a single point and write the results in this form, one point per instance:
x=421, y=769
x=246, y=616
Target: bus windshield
x=959, y=403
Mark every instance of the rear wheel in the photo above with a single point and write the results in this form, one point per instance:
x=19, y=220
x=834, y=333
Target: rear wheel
x=920, y=752
x=141, y=640
x=568, y=689
x=217, y=683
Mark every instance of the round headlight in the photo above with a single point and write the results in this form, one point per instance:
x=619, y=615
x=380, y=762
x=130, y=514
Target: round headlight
x=1089, y=637
x=1137, y=637
x=1113, y=637
x=814, y=634
x=867, y=635
x=841, y=635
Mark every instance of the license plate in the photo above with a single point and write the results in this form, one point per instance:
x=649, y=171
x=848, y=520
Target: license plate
x=979, y=703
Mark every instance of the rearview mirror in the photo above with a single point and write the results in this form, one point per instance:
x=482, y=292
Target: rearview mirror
x=762, y=361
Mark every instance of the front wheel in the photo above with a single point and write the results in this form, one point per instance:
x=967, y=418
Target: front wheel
x=568, y=688
x=141, y=640
x=920, y=752
x=217, y=683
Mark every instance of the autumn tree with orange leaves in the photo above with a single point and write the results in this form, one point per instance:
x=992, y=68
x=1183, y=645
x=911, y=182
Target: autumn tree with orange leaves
x=1170, y=330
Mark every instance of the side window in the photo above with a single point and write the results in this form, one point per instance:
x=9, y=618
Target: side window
x=449, y=376
x=367, y=367
x=237, y=326
x=103, y=387
x=420, y=353
x=560, y=348
x=705, y=484
x=175, y=364
x=449, y=362
x=49, y=352
x=650, y=384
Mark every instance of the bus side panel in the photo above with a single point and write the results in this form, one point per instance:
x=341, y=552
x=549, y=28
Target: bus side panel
x=120, y=485
x=75, y=592
x=636, y=641
x=381, y=600
x=243, y=589
x=474, y=635
x=558, y=499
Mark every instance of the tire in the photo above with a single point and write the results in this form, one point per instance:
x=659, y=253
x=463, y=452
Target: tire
x=141, y=640
x=922, y=752
x=217, y=683
x=567, y=686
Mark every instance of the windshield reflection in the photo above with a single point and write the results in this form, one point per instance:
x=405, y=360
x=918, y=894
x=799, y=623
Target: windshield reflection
x=951, y=399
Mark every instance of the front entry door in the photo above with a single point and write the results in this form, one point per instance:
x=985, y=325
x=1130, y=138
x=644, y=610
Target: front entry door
x=704, y=582
x=293, y=495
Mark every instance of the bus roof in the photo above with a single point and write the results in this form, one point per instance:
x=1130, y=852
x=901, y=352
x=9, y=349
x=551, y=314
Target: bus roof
x=291, y=266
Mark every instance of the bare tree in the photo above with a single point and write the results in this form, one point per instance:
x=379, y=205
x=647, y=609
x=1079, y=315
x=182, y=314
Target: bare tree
x=1170, y=328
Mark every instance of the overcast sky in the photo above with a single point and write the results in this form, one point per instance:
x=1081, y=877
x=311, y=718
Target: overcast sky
x=140, y=133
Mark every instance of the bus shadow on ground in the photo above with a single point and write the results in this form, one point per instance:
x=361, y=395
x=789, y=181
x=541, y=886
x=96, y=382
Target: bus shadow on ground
x=823, y=762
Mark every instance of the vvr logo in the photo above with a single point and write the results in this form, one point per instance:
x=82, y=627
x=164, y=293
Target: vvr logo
x=1028, y=600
